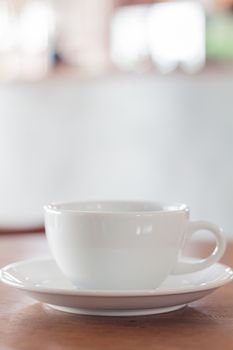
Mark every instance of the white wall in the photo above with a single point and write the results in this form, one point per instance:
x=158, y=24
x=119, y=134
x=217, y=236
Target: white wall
x=147, y=137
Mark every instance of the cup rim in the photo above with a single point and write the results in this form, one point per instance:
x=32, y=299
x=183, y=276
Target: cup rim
x=64, y=207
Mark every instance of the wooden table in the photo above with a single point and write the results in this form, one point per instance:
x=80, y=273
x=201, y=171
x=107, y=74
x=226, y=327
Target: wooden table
x=27, y=324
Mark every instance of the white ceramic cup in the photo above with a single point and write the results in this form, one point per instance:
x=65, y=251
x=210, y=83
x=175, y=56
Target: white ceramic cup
x=124, y=245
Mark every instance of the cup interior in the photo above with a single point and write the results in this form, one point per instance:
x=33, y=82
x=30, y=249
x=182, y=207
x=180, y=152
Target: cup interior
x=115, y=207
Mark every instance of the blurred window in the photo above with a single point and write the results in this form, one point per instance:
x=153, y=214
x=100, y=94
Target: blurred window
x=129, y=41
x=35, y=26
x=166, y=34
x=26, y=29
x=176, y=35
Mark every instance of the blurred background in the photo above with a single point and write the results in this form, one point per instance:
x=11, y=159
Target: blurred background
x=116, y=99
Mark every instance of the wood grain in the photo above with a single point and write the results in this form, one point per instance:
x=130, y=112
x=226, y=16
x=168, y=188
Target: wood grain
x=27, y=324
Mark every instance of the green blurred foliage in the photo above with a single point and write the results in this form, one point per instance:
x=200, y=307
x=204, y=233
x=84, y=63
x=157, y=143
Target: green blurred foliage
x=219, y=37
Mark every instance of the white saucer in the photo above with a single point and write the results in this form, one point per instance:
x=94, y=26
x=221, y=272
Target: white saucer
x=43, y=281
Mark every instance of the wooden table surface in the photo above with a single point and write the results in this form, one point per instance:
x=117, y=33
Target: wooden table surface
x=27, y=324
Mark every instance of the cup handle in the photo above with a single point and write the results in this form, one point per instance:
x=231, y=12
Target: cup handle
x=193, y=226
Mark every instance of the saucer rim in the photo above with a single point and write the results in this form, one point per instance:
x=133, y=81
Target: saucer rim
x=111, y=293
